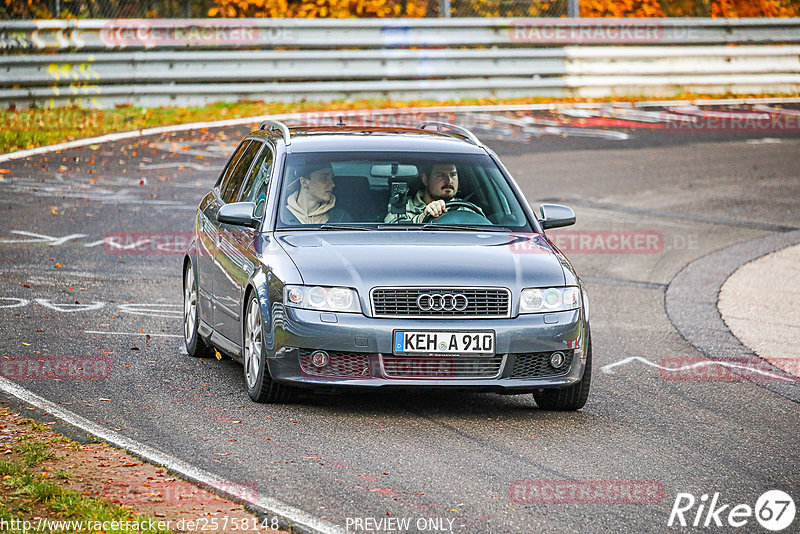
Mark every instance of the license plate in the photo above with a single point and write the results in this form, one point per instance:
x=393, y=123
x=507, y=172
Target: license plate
x=429, y=342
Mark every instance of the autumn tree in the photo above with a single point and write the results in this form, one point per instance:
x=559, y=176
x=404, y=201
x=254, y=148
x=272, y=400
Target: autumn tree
x=312, y=9
x=755, y=8
x=621, y=8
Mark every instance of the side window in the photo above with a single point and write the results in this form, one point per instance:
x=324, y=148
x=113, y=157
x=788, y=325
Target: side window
x=257, y=182
x=231, y=187
x=226, y=173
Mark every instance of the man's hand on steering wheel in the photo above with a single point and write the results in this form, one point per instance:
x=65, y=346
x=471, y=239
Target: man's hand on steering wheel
x=438, y=207
x=435, y=208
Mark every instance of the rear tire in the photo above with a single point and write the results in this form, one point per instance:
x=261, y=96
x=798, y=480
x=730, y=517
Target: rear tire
x=260, y=385
x=570, y=398
x=195, y=345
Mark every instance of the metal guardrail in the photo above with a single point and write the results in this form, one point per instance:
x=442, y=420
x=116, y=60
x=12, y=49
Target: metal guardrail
x=401, y=65
x=211, y=66
x=381, y=33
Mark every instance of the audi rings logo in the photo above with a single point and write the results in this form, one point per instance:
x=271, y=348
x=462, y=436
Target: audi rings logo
x=442, y=302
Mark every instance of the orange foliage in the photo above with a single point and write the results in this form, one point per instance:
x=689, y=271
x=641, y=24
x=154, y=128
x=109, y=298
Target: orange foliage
x=312, y=9
x=25, y=9
x=500, y=8
x=621, y=8
x=755, y=8
x=690, y=8
x=29, y=9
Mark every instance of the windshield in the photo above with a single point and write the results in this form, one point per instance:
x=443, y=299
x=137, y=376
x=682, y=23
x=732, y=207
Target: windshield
x=388, y=190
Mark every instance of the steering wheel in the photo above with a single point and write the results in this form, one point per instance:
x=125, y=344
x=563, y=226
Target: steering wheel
x=458, y=212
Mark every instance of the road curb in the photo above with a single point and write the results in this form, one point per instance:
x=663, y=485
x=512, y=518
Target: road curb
x=691, y=304
x=756, y=303
x=289, y=518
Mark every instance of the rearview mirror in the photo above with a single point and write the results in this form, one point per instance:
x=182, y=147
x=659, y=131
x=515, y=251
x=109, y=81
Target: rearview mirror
x=239, y=214
x=393, y=170
x=556, y=216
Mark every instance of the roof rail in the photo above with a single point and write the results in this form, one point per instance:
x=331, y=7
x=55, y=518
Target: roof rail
x=271, y=126
x=471, y=137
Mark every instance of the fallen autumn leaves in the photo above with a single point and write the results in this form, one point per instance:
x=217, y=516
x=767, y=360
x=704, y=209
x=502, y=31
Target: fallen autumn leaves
x=45, y=474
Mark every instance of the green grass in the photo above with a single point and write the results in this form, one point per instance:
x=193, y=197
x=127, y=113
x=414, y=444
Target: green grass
x=10, y=468
x=62, y=474
x=25, y=493
x=35, y=425
x=34, y=452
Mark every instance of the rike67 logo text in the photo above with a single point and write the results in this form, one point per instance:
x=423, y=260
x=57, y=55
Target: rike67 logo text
x=774, y=510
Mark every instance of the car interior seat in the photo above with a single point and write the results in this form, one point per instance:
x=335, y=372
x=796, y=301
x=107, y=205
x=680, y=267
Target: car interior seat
x=354, y=195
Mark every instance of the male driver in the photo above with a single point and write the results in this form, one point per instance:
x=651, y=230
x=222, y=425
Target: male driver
x=314, y=202
x=441, y=185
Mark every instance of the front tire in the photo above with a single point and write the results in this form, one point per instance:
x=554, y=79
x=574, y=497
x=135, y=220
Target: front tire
x=195, y=345
x=260, y=385
x=570, y=398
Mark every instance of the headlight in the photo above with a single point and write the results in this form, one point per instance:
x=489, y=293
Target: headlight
x=549, y=299
x=335, y=299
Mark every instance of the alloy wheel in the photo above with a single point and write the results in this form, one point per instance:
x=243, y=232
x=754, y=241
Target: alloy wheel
x=252, y=344
x=189, y=305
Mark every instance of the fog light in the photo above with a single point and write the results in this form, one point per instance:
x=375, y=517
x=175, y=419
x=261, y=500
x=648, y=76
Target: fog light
x=557, y=360
x=319, y=358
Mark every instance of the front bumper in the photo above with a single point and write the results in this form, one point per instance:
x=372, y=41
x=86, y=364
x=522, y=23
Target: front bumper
x=367, y=341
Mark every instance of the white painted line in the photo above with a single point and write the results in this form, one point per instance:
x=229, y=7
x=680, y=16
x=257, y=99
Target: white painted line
x=717, y=102
x=712, y=114
x=69, y=307
x=17, y=303
x=124, y=135
x=106, y=333
x=608, y=369
x=353, y=113
x=263, y=505
x=764, y=141
x=778, y=111
x=41, y=238
x=169, y=311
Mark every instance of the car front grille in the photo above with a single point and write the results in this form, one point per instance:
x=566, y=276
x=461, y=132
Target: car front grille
x=402, y=302
x=537, y=365
x=442, y=367
x=340, y=365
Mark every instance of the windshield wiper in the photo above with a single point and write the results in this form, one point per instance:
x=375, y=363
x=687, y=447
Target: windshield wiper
x=344, y=227
x=466, y=227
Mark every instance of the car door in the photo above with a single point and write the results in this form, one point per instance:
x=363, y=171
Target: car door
x=234, y=258
x=208, y=236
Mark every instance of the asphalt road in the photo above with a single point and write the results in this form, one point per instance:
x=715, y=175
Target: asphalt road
x=449, y=456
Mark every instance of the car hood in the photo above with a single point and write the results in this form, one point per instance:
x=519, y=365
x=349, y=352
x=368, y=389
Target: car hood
x=364, y=260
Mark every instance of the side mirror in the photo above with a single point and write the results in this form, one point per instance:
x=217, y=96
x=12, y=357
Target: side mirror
x=556, y=216
x=239, y=214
